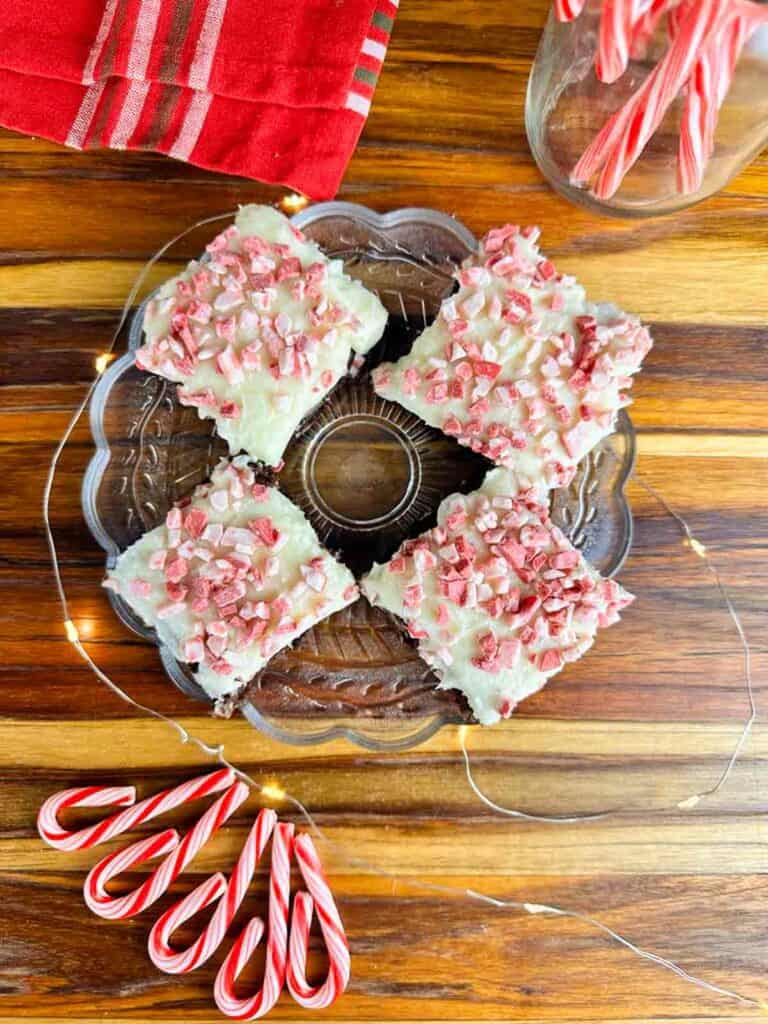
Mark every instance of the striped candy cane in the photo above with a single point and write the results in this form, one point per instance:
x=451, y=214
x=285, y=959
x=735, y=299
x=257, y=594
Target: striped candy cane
x=567, y=10
x=230, y=894
x=102, y=796
x=626, y=27
x=320, y=899
x=616, y=22
x=698, y=119
x=99, y=900
x=214, y=888
x=623, y=138
x=706, y=91
x=699, y=22
x=644, y=25
x=262, y=1002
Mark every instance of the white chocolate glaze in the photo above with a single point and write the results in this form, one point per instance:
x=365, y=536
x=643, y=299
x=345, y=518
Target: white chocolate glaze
x=517, y=365
x=495, y=595
x=234, y=574
x=259, y=333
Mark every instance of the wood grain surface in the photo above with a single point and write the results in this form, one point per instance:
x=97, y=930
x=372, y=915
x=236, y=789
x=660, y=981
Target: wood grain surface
x=647, y=720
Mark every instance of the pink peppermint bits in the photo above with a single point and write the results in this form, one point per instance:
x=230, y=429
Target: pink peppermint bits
x=218, y=599
x=264, y=306
x=525, y=358
x=265, y=530
x=500, y=590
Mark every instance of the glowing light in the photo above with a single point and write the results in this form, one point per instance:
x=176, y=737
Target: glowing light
x=272, y=791
x=698, y=547
x=690, y=802
x=103, y=361
x=293, y=203
x=537, y=908
x=85, y=628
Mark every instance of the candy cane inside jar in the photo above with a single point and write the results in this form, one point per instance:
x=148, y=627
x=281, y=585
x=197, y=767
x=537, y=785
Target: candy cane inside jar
x=658, y=132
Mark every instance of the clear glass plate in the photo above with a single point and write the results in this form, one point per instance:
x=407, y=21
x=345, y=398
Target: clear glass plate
x=367, y=474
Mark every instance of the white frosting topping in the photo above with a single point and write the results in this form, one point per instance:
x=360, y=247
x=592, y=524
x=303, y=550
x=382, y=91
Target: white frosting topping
x=517, y=365
x=234, y=574
x=496, y=596
x=260, y=332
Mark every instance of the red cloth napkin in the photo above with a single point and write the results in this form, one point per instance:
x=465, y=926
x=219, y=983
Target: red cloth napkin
x=271, y=89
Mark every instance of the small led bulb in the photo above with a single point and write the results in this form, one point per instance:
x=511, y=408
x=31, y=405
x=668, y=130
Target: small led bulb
x=293, y=203
x=272, y=791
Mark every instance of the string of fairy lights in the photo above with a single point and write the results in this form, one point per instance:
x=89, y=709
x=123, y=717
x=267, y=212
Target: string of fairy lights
x=691, y=801
x=272, y=791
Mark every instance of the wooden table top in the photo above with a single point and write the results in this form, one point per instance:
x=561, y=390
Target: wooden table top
x=647, y=720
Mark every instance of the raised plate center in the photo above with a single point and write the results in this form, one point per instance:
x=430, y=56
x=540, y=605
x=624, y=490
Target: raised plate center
x=362, y=471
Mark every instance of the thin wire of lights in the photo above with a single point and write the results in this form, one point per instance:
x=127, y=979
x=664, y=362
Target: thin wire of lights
x=101, y=363
x=689, y=802
x=525, y=907
x=272, y=790
x=699, y=549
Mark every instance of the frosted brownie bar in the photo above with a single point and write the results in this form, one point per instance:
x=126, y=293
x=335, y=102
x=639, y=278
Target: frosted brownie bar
x=517, y=365
x=496, y=596
x=257, y=334
x=233, y=575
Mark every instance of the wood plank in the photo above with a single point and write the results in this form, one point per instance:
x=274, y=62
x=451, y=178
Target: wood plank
x=107, y=281
x=417, y=814
x=650, y=717
x=669, y=393
x=719, y=504
x=465, y=961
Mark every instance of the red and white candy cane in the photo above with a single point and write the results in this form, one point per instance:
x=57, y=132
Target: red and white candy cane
x=567, y=10
x=699, y=117
x=115, y=908
x=262, y=1002
x=178, y=855
x=648, y=17
x=616, y=23
x=230, y=895
x=121, y=796
x=626, y=27
x=321, y=900
x=708, y=86
x=699, y=23
x=623, y=138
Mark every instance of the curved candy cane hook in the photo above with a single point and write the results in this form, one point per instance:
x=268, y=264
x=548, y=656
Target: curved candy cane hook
x=115, y=863
x=124, y=796
x=99, y=900
x=180, y=961
x=277, y=941
x=567, y=10
x=320, y=899
x=85, y=796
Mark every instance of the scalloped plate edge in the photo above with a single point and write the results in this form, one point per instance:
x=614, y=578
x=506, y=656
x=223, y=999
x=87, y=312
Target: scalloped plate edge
x=383, y=221
x=100, y=460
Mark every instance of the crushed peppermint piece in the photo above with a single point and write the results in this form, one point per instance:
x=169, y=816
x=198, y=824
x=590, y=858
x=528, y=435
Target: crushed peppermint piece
x=498, y=588
x=531, y=375
x=234, y=574
x=258, y=333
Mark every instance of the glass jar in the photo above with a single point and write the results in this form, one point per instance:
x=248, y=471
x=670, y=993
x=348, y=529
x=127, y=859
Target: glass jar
x=567, y=105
